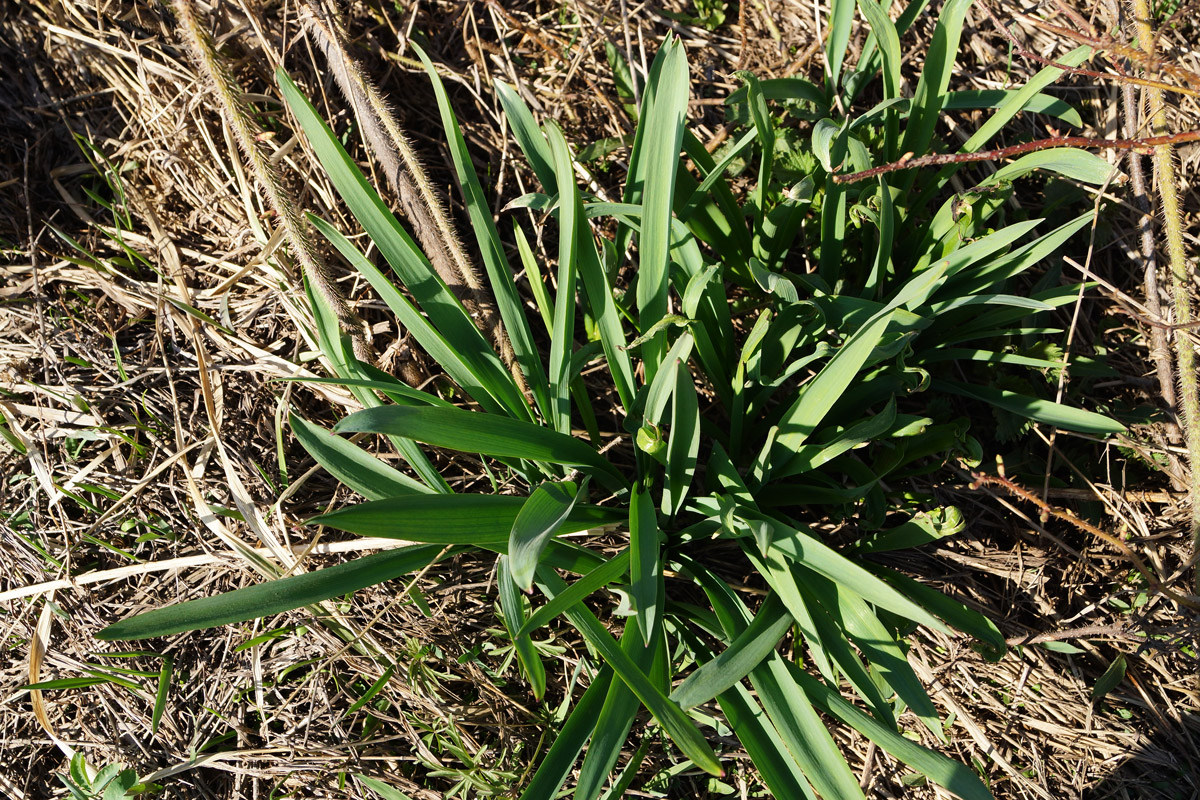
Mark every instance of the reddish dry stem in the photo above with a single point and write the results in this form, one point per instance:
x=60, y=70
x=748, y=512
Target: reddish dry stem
x=1153, y=583
x=908, y=162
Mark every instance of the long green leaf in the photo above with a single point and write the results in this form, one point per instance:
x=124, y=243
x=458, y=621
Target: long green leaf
x=1035, y=408
x=745, y=652
x=616, y=717
x=683, y=447
x=821, y=393
x=513, y=606
x=351, y=465
x=945, y=772
x=541, y=516
x=820, y=558
x=274, y=597
x=575, y=732
x=476, y=519
x=445, y=311
x=659, y=159
x=604, y=574
x=499, y=272
x=562, y=334
x=668, y=713
x=645, y=567
x=489, y=434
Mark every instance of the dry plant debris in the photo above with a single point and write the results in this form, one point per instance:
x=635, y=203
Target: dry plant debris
x=144, y=316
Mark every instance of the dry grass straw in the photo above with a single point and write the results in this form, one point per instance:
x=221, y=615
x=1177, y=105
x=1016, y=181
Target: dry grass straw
x=163, y=422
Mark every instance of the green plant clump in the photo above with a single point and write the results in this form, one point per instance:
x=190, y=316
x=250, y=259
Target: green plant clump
x=778, y=359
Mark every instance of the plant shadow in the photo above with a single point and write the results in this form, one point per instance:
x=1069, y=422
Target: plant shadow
x=1164, y=766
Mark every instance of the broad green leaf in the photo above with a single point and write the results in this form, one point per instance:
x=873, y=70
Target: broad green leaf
x=616, y=717
x=276, y=596
x=608, y=572
x=527, y=134
x=820, y=394
x=541, y=516
x=930, y=93
x=956, y=614
x=659, y=159
x=1035, y=408
x=945, y=772
x=670, y=716
x=749, y=723
x=351, y=465
x=573, y=735
x=476, y=519
x=489, y=434
x=809, y=552
x=995, y=98
x=878, y=646
x=683, y=446
x=561, y=336
x=744, y=653
x=645, y=567
x=1070, y=162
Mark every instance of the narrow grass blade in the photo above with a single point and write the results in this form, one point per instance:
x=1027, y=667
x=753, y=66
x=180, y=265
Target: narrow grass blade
x=491, y=248
x=540, y=517
x=274, y=597
x=490, y=434
x=935, y=77
x=744, y=653
x=945, y=772
x=820, y=395
x=878, y=646
x=683, y=447
x=841, y=24
x=351, y=465
x=645, y=567
x=599, y=294
x=575, y=732
x=462, y=368
x=164, y=687
x=513, y=606
x=807, y=551
x=608, y=572
x=527, y=134
x=562, y=334
x=674, y=721
x=992, y=643
x=884, y=31
x=338, y=349
x=749, y=723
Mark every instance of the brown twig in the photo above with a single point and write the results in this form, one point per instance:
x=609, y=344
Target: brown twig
x=1153, y=583
x=938, y=159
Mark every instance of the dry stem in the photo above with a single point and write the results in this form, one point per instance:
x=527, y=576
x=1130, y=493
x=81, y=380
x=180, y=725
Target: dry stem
x=425, y=209
x=239, y=116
